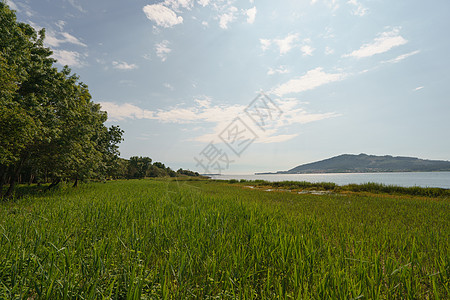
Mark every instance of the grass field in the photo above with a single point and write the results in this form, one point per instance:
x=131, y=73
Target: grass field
x=161, y=239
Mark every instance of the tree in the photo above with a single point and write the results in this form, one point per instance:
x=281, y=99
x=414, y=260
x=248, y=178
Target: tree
x=138, y=166
x=49, y=124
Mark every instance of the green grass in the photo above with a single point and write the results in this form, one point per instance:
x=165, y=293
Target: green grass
x=370, y=187
x=155, y=239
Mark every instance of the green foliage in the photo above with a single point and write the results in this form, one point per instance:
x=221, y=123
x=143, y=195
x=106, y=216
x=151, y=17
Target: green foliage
x=392, y=189
x=187, y=173
x=164, y=239
x=366, y=187
x=142, y=167
x=49, y=125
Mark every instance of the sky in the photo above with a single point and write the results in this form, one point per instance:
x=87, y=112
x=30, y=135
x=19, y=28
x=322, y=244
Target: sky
x=236, y=87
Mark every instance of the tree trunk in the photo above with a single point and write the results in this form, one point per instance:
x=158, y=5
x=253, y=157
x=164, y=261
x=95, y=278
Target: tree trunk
x=2, y=179
x=54, y=183
x=12, y=184
x=31, y=179
x=13, y=179
x=75, y=184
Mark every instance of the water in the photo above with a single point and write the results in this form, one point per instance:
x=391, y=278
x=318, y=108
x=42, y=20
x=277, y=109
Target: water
x=406, y=179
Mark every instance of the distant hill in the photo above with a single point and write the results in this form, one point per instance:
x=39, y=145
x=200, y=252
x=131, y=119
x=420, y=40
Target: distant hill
x=363, y=163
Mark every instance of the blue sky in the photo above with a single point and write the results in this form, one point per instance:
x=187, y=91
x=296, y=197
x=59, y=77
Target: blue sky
x=351, y=76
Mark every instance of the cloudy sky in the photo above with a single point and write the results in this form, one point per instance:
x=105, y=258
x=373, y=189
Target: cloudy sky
x=247, y=86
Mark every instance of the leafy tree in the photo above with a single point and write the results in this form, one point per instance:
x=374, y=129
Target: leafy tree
x=49, y=124
x=138, y=166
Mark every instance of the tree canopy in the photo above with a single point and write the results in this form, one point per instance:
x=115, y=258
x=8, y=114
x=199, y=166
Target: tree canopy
x=49, y=124
x=50, y=129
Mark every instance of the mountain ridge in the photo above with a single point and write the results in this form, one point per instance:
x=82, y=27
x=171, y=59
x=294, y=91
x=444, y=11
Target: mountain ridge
x=364, y=163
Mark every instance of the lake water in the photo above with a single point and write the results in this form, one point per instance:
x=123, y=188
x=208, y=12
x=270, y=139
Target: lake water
x=407, y=179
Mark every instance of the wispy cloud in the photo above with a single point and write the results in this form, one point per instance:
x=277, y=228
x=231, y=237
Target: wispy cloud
x=418, y=88
x=332, y=4
x=76, y=5
x=203, y=2
x=163, y=50
x=12, y=5
x=56, y=39
x=21, y=7
x=265, y=44
x=287, y=43
x=121, y=65
x=169, y=86
x=161, y=15
x=383, y=43
x=69, y=58
x=284, y=45
x=402, y=57
x=226, y=18
x=311, y=80
x=220, y=116
x=329, y=50
x=251, y=15
x=307, y=50
x=60, y=24
x=279, y=70
x=177, y=4
x=118, y=112
x=359, y=9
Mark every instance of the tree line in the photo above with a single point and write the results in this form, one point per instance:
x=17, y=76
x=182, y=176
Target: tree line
x=50, y=129
x=141, y=167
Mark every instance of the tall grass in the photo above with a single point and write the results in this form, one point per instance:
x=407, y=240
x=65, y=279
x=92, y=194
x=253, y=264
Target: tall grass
x=153, y=239
x=365, y=187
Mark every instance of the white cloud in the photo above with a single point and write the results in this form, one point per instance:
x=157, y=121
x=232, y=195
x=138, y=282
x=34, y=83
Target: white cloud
x=285, y=45
x=203, y=2
x=279, y=70
x=220, y=116
x=12, y=5
x=204, y=23
x=402, y=57
x=383, y=43
x=332, y=4
x=60, y=24
x=23, y=8
x=205, y=102
x=328, y=50
x=123, y=65
x=76, y=5
x=161, y=15
x=68, y=38
x=307, y=50
x=265, y=44
x=359, y=9
x=251, y=15
x=418, y=88
x=177, y=4
x=162, y=50
x=294, y=113
x=169, y=86
x=227, y=18
x=70, y=58
x=52, y=40
x=312, y=79
x=123, y=111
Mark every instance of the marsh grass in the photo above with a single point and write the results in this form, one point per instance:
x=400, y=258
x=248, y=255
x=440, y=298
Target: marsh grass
x=160, y=239
x=371, y=187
